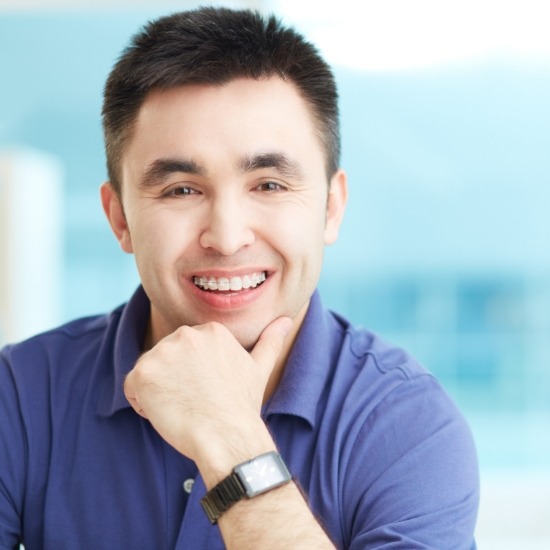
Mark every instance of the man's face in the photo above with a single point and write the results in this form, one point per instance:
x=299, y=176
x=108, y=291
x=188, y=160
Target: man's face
x=225, y=205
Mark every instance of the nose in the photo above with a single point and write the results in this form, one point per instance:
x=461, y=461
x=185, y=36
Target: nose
x=228, y=226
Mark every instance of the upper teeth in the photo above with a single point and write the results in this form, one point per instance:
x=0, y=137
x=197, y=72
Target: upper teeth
x=233, y=283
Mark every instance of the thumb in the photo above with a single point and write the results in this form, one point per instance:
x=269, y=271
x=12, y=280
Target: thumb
x=270, y=344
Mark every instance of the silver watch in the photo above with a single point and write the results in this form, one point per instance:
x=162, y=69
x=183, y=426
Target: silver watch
x=247, y=480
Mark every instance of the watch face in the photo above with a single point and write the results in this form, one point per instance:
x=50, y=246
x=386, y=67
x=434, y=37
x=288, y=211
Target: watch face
x=263, y=473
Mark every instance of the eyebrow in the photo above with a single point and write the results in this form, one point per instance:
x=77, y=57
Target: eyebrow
x=161, y=169
x=279, y=161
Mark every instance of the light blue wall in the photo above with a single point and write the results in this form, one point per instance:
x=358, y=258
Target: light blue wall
x=445, y=247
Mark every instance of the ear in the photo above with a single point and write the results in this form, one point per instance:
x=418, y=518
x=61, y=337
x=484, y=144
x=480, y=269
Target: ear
x=336, y=205
x=112, y=206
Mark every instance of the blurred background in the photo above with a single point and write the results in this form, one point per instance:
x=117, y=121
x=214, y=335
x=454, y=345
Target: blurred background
x=445, y=250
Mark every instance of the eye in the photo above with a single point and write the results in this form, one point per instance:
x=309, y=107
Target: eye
x=178, y=191
x=270, y=186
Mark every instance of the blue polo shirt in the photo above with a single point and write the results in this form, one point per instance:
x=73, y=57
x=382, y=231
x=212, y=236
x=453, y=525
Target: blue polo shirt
x=381, y=451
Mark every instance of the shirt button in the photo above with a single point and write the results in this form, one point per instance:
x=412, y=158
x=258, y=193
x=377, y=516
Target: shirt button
x=188, y=485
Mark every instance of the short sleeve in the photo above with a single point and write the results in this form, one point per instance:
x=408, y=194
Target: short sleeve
x=413, y=480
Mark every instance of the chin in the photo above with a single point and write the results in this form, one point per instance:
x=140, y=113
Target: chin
x=247, y=339
x=246, y=334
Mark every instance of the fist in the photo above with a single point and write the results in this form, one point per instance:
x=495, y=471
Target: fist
x=199, y=386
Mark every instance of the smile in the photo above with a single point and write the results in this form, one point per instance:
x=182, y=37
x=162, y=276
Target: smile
x=222, y=284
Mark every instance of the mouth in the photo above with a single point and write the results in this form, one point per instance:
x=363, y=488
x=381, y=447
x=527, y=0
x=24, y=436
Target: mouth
x=229, y=284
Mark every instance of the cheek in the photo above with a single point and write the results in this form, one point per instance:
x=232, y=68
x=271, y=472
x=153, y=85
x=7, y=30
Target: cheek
x=158, y=237
x=297, y=232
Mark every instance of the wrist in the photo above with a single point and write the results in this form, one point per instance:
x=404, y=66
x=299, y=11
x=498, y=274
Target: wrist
x=217, y=454
x=247, y=480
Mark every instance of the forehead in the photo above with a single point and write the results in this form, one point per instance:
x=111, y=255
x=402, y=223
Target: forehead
x=243, y=115
x=241, y=93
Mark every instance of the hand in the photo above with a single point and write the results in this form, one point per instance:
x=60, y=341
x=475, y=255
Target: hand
x=201, y=390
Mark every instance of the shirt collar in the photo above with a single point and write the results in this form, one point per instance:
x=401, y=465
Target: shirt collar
x=129, y=334
x=309, y=365
x=305, y=375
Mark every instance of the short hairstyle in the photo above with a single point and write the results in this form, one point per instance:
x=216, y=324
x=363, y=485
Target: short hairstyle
x=214, y=46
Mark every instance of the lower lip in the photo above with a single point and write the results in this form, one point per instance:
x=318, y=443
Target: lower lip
x=229, y=300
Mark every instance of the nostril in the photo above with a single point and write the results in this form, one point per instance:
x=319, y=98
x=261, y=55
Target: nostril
x=227, y=233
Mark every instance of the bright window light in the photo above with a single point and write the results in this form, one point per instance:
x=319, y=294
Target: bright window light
x=400, y=34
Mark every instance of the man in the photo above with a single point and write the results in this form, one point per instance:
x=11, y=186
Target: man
x=178, y=420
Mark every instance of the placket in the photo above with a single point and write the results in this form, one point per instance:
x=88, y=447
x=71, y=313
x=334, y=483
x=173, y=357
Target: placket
x=196, y=532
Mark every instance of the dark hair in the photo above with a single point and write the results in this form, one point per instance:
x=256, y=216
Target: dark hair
x=214, y=46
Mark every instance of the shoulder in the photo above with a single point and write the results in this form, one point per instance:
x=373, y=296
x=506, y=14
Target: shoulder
x=389, y=406
x=372, y=368
x=386, y=357
x=384, y=388
x=72, y=339
x=60, y=360
x=375, y=389
x=406, y=449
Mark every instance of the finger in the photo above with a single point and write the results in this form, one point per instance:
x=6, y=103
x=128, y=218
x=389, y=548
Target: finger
x=270, y=344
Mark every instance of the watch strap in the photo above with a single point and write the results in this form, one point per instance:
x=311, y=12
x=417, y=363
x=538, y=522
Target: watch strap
x=246, y=481
x=221, y=497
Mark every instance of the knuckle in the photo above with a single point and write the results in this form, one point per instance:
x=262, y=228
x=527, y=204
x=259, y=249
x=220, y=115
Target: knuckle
x=143, y=368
